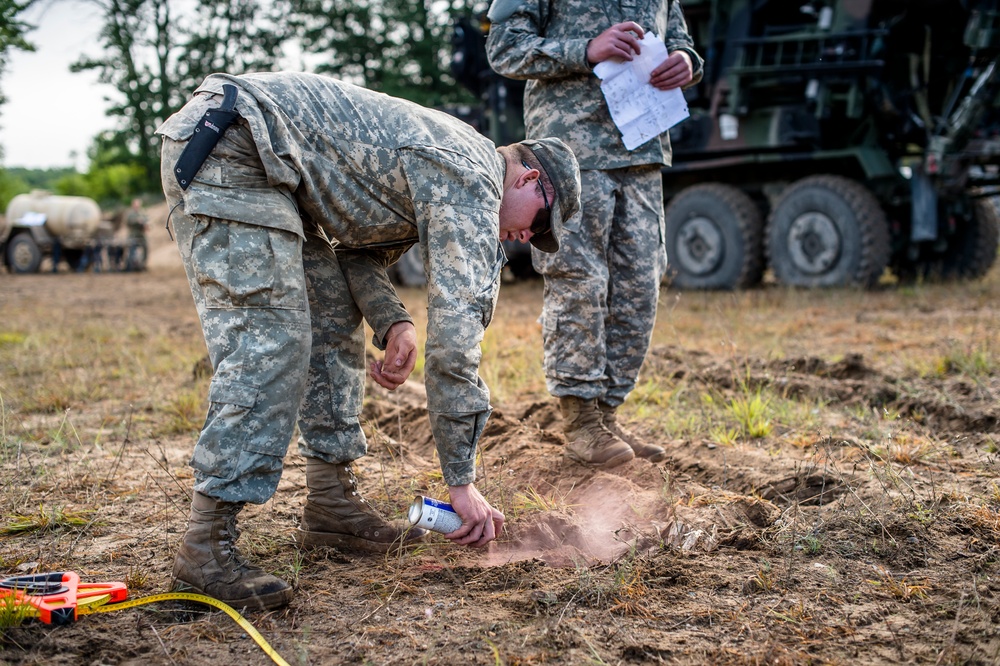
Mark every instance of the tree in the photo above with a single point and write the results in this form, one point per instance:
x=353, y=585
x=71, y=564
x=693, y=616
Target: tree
x=155, y=59
x=12, y=30
x=399, y=47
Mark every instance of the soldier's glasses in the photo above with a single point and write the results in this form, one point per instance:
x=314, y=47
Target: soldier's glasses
x=543, y=218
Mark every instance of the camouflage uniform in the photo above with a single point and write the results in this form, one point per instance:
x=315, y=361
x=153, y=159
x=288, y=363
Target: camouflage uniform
x=601, y=287
x=138, y=249
x=310, y=159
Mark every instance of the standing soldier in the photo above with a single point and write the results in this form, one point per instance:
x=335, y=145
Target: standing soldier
x=136, y=223
x=309, y=163
x=601, y=288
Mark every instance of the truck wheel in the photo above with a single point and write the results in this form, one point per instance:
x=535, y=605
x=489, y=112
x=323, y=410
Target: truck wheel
x=409, y=270
x=23, y=254
x=969, y=254
x=828, y=231
x=714, y=238
x=976, y=250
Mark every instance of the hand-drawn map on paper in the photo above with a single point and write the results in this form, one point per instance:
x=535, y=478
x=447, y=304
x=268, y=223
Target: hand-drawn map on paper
x=640, y=111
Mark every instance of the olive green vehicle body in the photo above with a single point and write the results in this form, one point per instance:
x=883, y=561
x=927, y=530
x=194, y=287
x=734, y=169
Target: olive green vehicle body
x=830, y=143
x=831, y=140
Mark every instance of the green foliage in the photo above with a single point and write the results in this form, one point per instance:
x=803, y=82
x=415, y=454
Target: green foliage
x=108, y=185
x=16, y=180
x=398, y=47
x=750, y=410
x=154, y=57
x=12, y=30
x=10, y=187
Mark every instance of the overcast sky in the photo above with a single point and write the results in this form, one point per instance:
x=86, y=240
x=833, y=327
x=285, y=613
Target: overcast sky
x=51, y=113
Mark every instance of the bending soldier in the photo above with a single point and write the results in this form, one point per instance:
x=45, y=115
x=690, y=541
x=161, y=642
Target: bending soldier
x=310, y=163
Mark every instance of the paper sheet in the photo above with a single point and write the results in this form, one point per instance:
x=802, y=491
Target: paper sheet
x=640, y=111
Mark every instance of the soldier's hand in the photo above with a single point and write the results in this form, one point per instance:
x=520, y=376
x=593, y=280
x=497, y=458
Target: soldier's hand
x=481, y=523
x=400, y=356
x=619, y=41
x=674, y=72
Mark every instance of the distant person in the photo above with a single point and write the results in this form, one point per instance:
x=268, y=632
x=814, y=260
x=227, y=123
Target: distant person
x=136, y=222
x=311, y=163
x=601, y=288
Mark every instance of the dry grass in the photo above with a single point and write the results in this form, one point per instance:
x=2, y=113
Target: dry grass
x=97, y=419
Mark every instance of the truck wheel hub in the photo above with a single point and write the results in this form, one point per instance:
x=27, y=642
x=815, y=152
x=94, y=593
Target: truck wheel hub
x=699, y=246
x=814, y=243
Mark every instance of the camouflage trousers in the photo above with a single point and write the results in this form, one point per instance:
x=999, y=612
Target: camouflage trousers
x=285, y=339
x=601, y=287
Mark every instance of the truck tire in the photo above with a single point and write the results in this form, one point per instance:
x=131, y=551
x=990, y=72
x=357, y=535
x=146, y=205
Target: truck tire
x=827, y=231
x=977, y=249
x=409, y=270
x=714, y=238
x=23, y=254
x=969, y=254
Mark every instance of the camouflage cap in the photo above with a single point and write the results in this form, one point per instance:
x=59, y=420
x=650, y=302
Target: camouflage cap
x=563, y=172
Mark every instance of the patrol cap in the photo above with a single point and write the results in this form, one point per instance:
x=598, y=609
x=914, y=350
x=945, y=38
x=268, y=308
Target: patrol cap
x=563, y=171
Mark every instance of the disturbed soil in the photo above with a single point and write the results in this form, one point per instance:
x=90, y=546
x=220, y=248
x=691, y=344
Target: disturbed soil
x=866, y=531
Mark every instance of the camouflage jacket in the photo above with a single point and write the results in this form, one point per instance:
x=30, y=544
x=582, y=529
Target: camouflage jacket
x=136, y=223
x=377, y=174
x=546, y=41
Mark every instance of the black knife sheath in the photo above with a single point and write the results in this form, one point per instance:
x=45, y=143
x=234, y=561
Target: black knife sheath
x=206, y=134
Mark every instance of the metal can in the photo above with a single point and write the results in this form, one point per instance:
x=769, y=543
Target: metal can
x=433, y=515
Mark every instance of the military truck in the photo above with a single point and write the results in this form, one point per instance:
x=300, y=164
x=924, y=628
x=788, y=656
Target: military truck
x=828, y=141
x=831, y=139
x=39, y=224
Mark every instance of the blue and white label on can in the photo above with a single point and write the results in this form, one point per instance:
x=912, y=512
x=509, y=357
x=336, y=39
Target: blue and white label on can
x=434, y=515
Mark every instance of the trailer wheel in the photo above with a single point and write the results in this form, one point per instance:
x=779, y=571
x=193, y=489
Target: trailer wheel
x=23, y=254
x=714, y=238
x=828, y=231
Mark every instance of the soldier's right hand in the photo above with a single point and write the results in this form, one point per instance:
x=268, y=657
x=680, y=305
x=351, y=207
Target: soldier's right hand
x=619, y=41
x=481, y=523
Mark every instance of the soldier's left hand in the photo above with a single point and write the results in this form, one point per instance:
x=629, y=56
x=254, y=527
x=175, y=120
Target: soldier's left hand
x=674, y=72
x=400, y=356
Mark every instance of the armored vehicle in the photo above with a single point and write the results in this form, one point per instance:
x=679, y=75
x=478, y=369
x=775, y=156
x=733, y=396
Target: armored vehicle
x=832, y=139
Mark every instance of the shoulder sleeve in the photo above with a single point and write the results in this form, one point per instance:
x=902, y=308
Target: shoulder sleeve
x=518, y=48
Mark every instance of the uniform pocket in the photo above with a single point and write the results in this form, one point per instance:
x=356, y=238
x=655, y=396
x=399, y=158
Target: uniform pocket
x=228, y=428
x=243, y=266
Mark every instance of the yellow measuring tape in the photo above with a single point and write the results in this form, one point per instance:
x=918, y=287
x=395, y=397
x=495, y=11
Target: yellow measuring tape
x=98, y=605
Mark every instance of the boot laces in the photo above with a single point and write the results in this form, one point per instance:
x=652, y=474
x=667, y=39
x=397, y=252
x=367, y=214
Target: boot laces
x=227, y=544
x=353, y=483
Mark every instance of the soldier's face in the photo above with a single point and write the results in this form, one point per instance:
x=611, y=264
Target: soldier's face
x=522, y=202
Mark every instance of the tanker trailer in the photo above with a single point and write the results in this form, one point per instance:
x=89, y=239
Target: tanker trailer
x=42, y=224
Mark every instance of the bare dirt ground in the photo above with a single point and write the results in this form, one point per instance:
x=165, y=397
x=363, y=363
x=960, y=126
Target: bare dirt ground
x=862, y=526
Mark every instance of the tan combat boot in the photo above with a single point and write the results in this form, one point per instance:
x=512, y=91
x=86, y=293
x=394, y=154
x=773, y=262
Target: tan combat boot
x=337, y=515
x=208, y=562
x=587, y=440
x=650, y=452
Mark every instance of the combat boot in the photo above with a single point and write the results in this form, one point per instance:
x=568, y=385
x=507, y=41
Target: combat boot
x=208, y=562
x=587, y=440
x=650, y=452
x=337, y=515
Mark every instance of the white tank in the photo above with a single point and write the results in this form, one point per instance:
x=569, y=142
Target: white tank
x=73, y=220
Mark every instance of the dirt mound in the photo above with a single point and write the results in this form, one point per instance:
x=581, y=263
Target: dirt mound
x=862, y=527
